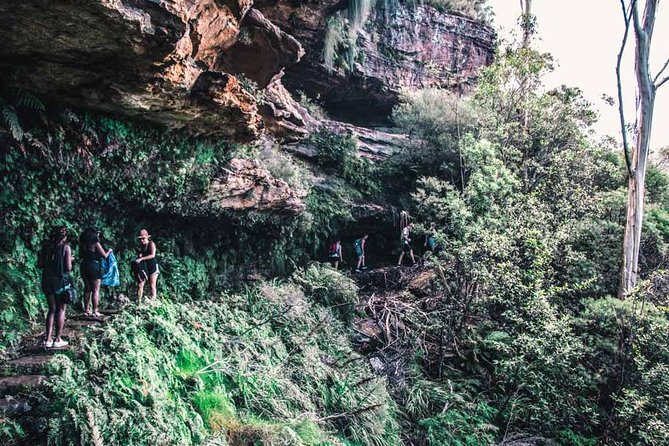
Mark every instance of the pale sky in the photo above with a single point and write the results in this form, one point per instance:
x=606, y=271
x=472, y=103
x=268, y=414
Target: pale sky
x=584, y=37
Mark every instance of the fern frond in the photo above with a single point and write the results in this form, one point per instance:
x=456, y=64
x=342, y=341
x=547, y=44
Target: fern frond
x=11, y=120
x=28, y=100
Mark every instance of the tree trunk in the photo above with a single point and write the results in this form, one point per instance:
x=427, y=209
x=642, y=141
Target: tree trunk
x=629, y=271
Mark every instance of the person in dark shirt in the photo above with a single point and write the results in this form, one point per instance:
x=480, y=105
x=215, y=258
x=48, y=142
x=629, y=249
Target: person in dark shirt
x=91, y=252
x=147, y=266
x=55, y=260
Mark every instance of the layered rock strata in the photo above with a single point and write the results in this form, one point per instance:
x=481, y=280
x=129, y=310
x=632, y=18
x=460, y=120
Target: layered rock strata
x=402, y=45
x=171, y=62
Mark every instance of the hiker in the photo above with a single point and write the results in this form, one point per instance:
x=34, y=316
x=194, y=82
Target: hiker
x=359, y=247
x=55, y=260
x=335, y=254
x=146, y=266
x=92, y=253
x=430, y=240
x=406, y=245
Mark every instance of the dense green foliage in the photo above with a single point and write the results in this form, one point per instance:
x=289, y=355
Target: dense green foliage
x=517, y=331
x=267, y=366
x=530, y=215
x=79, y=170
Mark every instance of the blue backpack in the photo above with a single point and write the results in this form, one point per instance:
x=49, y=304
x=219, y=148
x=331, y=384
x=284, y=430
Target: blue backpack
x=110, y=271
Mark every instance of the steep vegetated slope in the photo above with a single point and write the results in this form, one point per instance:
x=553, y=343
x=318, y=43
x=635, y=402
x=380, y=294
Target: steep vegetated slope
x=174, y=116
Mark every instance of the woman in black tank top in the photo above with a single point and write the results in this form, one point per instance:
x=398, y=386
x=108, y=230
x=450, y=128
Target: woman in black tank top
x=55, y=259
x=148, y=266
x=91, y=252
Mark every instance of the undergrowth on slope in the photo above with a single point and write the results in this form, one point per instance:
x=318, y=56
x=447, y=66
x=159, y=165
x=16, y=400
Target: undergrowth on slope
x=269, y=366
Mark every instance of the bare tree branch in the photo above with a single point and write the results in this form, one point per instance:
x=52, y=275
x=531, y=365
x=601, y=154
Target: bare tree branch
x=659, y=73
x=661, y=82
x=621, y=110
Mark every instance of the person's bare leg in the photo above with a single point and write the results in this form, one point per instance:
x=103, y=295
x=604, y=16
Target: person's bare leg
x=399, y=262
x=96, y=295
x=51, y=300
x=413, y=259
x=60, y=320
x=359, y=262
x=140, y=292
x=88, y=295
x=154, y=288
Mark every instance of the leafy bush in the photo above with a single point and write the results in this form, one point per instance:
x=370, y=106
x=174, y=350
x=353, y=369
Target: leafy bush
x=339, y=153
x=269, y=366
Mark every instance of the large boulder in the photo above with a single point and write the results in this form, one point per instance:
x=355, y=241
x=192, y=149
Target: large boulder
x=248, y=186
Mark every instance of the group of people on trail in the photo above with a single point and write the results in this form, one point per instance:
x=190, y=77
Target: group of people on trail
x=335, y=253
x=56, y=261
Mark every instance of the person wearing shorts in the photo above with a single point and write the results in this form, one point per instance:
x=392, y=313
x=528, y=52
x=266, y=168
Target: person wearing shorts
x=91, y=253
x=359, y=248
x=406, y=245
x=147, y=266
x=55, y=260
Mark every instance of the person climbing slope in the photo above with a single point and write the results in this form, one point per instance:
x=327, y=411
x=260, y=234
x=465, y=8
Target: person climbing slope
x=147, y=266
x=359, y=247
x=55, y=260
x=406, y=244
x=335, y=254
x=430, y=237
x=92, y=253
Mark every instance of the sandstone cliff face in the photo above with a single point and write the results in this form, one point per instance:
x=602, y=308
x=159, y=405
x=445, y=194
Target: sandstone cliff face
x=179, y=62
x=402, y=46
x=161, y=61
x=231, y=68
x=248, y=186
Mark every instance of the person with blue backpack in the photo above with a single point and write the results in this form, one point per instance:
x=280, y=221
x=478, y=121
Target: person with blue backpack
x=359, y=248
x=92, y=254
x=55, y=260
x=430, y=237
x=145, y=266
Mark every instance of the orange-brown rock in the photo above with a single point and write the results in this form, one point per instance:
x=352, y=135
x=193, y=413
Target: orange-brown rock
x=158, y=61
x=249, y=186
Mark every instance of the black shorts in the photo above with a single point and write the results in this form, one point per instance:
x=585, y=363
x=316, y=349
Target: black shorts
x=406, y=248
x=91, y=270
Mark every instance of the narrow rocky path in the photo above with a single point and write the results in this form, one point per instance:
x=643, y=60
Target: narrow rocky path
x=24, y=375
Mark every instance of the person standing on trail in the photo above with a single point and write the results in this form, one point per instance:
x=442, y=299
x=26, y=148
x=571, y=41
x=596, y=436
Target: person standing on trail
x=91, y=252
x=335, y=254
x=359, y=247
x=146, y=267
x=55, y=260
x=406, y=245
x=430, y=240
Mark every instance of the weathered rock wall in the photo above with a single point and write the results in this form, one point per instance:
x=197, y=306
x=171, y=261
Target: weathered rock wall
x=168, y=62
x=402, y=46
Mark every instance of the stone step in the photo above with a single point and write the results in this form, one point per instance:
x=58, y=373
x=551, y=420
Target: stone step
x=32, y=364
x=82, y=323
x=15, y=384
x=13, y=406
x=110, y=311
